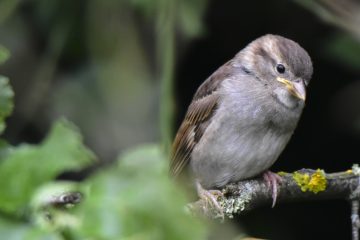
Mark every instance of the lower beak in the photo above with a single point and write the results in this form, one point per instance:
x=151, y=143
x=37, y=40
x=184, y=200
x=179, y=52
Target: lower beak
x=297, y=89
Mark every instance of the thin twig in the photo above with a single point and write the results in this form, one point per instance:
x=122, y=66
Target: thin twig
x=355, y=222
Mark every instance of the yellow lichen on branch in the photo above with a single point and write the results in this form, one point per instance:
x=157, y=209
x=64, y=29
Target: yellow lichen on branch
x=315, y=182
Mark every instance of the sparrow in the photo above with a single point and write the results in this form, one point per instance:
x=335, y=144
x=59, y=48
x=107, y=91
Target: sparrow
x=242, y=116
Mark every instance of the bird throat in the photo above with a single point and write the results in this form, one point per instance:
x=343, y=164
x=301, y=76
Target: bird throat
x=286, y=99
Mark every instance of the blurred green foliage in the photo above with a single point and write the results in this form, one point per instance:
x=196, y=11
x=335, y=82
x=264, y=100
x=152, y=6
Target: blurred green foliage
x=6, y=103
x=26, y=167
x=4, y=54
x=7, y=7
x=133, y=199
x=136, y=200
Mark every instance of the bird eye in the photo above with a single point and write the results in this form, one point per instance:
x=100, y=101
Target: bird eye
x=280, y=68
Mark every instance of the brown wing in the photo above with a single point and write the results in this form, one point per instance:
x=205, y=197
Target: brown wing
x=196, y=120
x=191, y=131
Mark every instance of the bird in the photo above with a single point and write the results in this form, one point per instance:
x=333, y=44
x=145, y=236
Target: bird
x=242, y=116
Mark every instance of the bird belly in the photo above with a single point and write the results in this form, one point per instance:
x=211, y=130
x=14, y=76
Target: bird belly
x=229, y=154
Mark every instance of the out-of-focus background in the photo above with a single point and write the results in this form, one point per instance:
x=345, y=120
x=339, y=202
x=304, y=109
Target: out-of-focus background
x=124, y=71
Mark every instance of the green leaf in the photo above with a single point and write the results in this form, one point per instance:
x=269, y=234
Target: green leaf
x=6, y=101
x=4, y=54
x=190, y=17
x=51, y=193
x=19, y=231
x=137, y=200
x=23, y=169
x=50, y=212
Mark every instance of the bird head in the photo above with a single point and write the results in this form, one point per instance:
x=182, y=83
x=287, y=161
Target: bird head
x=281, y=65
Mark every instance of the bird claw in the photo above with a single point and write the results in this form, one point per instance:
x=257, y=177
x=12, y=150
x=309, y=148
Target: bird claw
x=272, y=180
x=210, y=197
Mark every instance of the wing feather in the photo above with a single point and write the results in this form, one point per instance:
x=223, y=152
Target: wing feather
x=198, y=113
x=203, y=106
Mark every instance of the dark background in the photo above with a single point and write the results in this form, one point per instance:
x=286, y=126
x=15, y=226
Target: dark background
x=327, y=136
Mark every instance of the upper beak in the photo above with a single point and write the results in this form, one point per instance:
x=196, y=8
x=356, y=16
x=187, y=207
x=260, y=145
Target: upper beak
x=297, y=89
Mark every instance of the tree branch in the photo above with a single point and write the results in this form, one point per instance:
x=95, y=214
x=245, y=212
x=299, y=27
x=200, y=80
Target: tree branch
x=244, y=196
x=355, y=219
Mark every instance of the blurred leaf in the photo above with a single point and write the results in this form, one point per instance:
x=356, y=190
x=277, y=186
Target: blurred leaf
x=7, y=7
x=19, y=231
x=120, y=73
x=51, y=209
x=137, y=200
x=6, y=101
x=343, y=14
x=345, y=49
x=317, y=8
x=190, y=16
x=4, y=54
x=4, y=148
x=51, y=193
x=189, y=13
x=25, y=168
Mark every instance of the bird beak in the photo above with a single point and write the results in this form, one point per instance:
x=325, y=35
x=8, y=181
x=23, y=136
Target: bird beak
x=297, y=89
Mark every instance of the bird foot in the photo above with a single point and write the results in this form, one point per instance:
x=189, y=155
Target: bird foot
x=272, y=180
x=210, y=197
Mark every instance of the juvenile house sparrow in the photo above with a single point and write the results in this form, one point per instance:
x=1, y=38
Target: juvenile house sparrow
x=243, y=115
